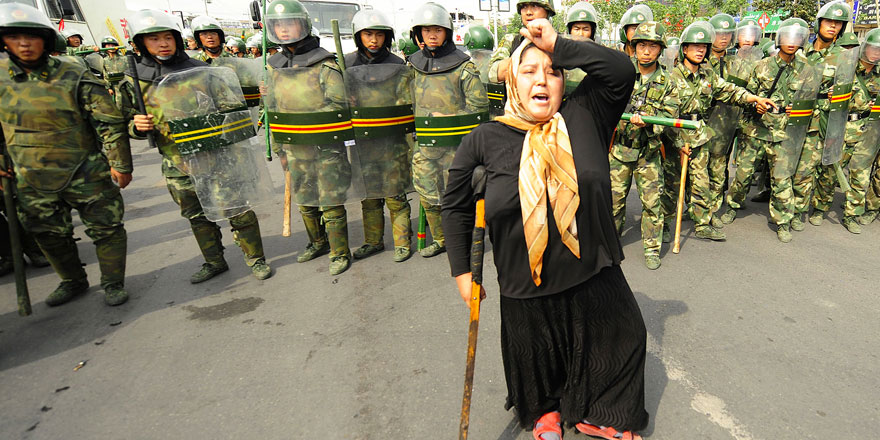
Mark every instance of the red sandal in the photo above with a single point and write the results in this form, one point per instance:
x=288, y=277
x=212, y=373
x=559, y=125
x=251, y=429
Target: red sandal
x=606, y=432
x=548, y=423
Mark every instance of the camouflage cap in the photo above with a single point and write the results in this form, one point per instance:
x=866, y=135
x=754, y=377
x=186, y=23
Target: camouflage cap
x=479, y=37
x=633, y=16
x=546, y=4
x=650, y=31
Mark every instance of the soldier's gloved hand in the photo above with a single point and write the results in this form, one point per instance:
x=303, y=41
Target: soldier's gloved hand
x=637, y=120
x=144, y=123
x=541, y=33
x=121, y=179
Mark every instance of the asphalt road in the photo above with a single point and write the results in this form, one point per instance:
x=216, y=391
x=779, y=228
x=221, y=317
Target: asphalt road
x=748, y=339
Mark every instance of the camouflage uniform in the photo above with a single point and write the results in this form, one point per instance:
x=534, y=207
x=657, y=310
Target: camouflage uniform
x=635, y=154
x=865, y=91
x=203, y=56
x=61, y=111
x=696, y=91
x=763, y=135
x=245, y=227
x=114, y=69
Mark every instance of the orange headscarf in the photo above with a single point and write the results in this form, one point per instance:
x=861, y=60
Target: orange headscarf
x=546, y=171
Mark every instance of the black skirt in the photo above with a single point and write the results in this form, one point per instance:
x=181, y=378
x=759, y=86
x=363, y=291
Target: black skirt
x=580, y=352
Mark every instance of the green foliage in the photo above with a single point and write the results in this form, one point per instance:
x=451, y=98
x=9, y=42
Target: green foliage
x=805, y=9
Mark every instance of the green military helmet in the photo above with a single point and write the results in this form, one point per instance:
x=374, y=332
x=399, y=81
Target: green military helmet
x=635, y=15
x=60, y=43
x=109, y=40
x=71, y=33
x=848, y=40
x=24, y=18
x=698, y=32
x=546, y=4
x=582, y=12
x=293, y=19
x=252, y=42
x=793, y=28
x=650, y=31
x=148, y=21
x=747, y=29
x=203, y=23
x=870, y=51
x=837, y=10
x=406, y=45
x=373, y=20
x=188, y=33
x=673, y=41
x=431, y=14
x=479, y=37
x=767, y=47
x=723, y=25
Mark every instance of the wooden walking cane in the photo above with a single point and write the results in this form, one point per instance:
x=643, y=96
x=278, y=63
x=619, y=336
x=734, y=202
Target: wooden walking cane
x=21, y=289
x=676, y=247
x=477, y=246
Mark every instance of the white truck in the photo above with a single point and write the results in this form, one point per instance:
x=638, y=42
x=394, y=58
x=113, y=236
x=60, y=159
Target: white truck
x=91, y=19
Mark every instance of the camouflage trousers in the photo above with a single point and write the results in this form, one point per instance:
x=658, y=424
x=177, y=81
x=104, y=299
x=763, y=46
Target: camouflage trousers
x=374, y=220
x=386, y=166
x=804, y=180
x=671, y=183
x=320, y=174
x=859, y=183
x=717, y=178
x=327, y=224
x=826, y=181
x=430, y=171
x=648, y=174
x=781, y=193
x=245, y=227
x=97, y=199
x=432, y=215
x=872, y=198
x=700, y=189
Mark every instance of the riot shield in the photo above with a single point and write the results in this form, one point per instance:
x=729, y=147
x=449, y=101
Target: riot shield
x=382, y=117
x=442, y=118
x=249, y=72
x=667, y=59
x=835, y=130
x=868, y=146
x=310, y=120
x=204, y=112
x=573, y=79
x=481, y=58
x=497, y=94
x=799, y=117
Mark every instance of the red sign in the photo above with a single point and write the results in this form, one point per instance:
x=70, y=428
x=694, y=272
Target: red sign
x=764, y=20
x=124, y=23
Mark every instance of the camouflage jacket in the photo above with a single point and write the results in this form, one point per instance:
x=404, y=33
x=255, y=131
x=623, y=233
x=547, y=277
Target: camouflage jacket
x=771, y=126
x=865, y=91
x=695, y=93
x=502, y=52
x=59, y=111
x=454, y=92
x=114, y=69
x=652, y=96
x=203, y=56
x=823, y=104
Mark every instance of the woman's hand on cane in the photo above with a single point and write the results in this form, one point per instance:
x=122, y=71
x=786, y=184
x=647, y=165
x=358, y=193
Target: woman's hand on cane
x=464, y=282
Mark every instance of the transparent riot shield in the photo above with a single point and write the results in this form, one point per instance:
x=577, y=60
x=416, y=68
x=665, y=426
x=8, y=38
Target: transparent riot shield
x=382, y=117
x=204, y=112
x=573, y=79
x=481, y=58
x=443, y=117
x=250, y=73
x=799, y=117
x=868, y=146
x=310, y=120
x=835, y=130
x=667, y=59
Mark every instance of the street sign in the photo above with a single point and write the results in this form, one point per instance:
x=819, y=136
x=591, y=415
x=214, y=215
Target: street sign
x=503, y=5
x=763, y=20
x=486, y=5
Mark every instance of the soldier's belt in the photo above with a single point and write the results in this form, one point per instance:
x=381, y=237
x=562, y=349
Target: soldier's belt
x=666, y=122
x=251, y=96
x=311, y=128
x=212, y=131
x=446, y=131
x=116, y=77
x=801, y=112
x=379, y=122
x=692, y=117
x=853, y=117
x=775, y=111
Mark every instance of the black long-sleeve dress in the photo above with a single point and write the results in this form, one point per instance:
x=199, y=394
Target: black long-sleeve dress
x=576, y=343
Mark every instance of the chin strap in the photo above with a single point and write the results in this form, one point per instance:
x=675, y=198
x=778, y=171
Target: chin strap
x=648, y=64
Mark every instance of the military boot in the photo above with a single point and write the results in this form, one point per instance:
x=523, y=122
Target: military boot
x=852, y=225
x=318, y=244
x=115, y=294
x=652, y=261
x=374, y=227
x=111, y=250
x=209, y=238
x=709, y=233
x=246, y=230
x=816, y=217
x=437, y=247
x=261, y=270
x=336, y=222
x=208, y=271
x=64, y=258
x=783, y=233
x=797, y=222
x=868, y=217
x=717, y=222
x=667, y=235
x=728, y=216
x=401, y=226
x=66, y=291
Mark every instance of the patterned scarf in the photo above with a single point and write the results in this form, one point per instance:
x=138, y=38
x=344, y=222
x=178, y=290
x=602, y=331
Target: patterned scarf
x=546, y=172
